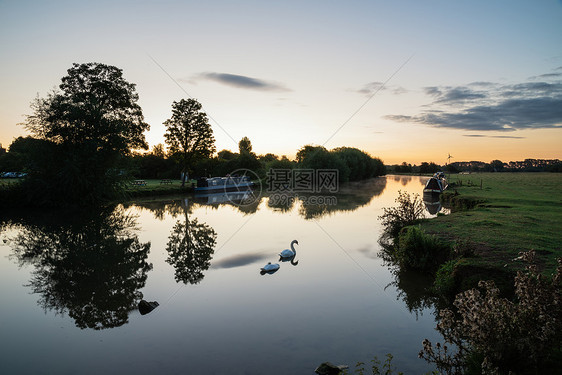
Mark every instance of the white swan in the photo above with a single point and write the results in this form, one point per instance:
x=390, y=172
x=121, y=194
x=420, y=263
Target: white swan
x=269, y=268
x=289, y=253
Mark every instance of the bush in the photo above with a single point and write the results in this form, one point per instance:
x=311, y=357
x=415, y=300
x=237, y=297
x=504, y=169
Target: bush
x=445, y=283
x=521, y=335
x=409, y=210
x=420, y=251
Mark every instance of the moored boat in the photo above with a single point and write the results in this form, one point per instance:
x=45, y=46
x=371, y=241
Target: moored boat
x=228, y=183
x=436, y=184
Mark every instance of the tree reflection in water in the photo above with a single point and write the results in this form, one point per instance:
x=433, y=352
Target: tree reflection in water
x=414, y=288
x=190, y=248
x=90, y=267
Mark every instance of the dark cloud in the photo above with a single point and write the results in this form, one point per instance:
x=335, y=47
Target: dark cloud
x=433, y=91
x=493, y=107
x=243, y=81
x=453, y=95
x=535, y=88
x=482, y=84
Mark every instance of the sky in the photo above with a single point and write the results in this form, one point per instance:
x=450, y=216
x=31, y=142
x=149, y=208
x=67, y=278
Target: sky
x=406, y=81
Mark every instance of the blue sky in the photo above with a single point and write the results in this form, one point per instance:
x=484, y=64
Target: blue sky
x=477, y=79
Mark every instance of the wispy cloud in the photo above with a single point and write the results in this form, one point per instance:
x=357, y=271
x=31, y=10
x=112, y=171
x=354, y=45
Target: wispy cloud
x=492, y=136
x=243, y=82
x=371, y=87
x=547, y=76
x=488, y=106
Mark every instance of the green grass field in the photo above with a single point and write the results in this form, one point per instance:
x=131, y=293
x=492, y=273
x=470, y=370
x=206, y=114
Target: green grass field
x=519, y=212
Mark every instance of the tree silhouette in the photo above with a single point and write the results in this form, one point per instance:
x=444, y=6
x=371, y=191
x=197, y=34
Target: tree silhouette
x=188, y=134
x=88, y=267
x=91, y=123
x=245, y=146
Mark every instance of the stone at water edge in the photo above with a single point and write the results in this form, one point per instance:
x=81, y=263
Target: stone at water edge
x=328, y=368
x=145, y=307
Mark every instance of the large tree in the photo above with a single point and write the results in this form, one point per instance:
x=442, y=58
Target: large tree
x=189, y=135
x=91, y=122
x=96, y=106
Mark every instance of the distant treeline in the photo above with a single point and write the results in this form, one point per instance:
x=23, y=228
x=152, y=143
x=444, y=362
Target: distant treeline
x=527, y=165
x=83, y=137
x=352, y=163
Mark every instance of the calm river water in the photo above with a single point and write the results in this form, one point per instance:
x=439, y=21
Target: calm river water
x=71, y=284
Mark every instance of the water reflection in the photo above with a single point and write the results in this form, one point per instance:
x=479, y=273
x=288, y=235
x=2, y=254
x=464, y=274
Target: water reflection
x=208, y=320
x=350, y=197
x=414, y=289
x=239, y=260
x=190, y=248
x=291, y=260
x=404, y=180
x=432, y=203
x=247, y=197
x=90, y=267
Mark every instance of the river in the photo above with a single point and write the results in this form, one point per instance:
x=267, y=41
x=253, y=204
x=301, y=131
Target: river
x=71, y=283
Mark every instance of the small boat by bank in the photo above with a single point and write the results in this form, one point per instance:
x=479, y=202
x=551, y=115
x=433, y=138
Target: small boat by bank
x=228, y=183
x=436, y=184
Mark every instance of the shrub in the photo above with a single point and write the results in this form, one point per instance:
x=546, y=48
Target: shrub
x=520, y=335
x=377, y=368
x=445, y=283
x=410, y=209
x=420, y=251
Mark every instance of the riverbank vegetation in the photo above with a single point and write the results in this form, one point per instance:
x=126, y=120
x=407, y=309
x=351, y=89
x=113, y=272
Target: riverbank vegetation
x=496, y=261
x=490, y=334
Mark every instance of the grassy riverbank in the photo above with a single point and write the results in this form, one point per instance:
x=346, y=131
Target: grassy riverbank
x=513, y=212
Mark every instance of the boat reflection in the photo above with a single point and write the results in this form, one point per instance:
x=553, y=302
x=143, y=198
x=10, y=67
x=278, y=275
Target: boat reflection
x=432, y=202
x=244, y=197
